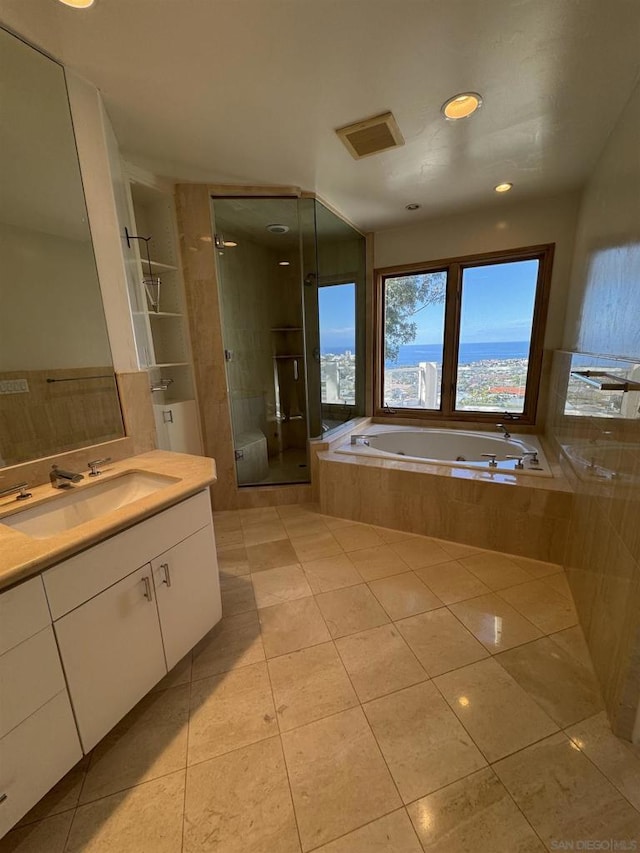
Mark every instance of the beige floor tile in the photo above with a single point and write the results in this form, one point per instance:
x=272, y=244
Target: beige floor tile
x=234, y=642
x=258, y=515
x=273, y=586
x=559, y=583
x=258, y=534
x=379, y=562
x=304, y=525
x=227, y=519
x=389, y=535
x=358, y=536
x=331, y=573
x=494, y=622
x=379, y=661
x=440, y=641
x=144, y=819
x=271, y=555
x=151, y=741
x=338, y=777
x=495, y=570
x=456, y=550
x=536, y=568
x=44, y=836
x=228, y=538
x=233, y=561
x=475, y=814
x=291, y=626
x=335, y=523
x=250, y=811
x=494, y=709
x=565, y=689
x=616, y=758
x=404, y=595
x=315, y=546
x=310, y=684
x=229, y=711
x=180, y=674
x=542, y=605
x=392, y=833
x=564, y=797
x=237, y=595
x=451, y=582
x=423, y=743
x=61, y=798
x=572, y=641
x=349, y=610
x=287, y=511
x=421, y=552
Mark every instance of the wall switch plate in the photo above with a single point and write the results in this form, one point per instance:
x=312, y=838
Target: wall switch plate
x=14, y=386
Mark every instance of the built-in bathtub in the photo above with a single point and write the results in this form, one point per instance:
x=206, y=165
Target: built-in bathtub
x=460, y=448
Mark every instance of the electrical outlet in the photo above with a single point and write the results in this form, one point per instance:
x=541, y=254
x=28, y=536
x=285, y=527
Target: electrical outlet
x=14, y=386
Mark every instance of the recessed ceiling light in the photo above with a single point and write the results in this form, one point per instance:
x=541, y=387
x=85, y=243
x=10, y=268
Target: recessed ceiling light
x=413, y=206
x=77, y=4
x=283, y=263
x=461, y=105
x=276, y=228
x=230, y=244
x=503, y=188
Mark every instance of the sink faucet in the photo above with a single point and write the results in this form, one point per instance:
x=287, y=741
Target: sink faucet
x=21, y=488
x=61, y=479
x=505, y=431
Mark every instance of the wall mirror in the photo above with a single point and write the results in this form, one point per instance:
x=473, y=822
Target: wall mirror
x=57, y=383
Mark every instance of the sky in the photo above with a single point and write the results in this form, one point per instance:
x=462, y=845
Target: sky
x=497, y=305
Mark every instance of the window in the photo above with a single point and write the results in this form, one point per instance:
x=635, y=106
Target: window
x=337, y=322
x=463, y=338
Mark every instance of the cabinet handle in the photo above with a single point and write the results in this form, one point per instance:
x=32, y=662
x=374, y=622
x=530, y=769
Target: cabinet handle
x=3, y=797
x=167, y=575
x=147, y=589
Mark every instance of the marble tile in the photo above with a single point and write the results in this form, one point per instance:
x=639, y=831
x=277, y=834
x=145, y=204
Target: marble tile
x=234, y=642
x=564, y=797
x=389, y=535
x=310, y=684
x=536, y=568
x=379, y=562
x=151, y=741
x=233, y=561
x=229, y=711
x=144, y=819
x=333, y=522
x=440, y=641
x=315, y=546
x=338, y=777
x=251, y=811
x=424, y=745
x=495, y=570
x=392, y=833
x=273, y=586
x=226, y=539
x=559, y=583
x=495, y=710
x=357, y=536
x=379, y=661
x=349, y=610
x=258, y=534
x=494, y=622
x=542, y=605
x=404, y=595
x=474, y=814
x=304, y=525
x=566, y=690
x=616, y=758
x=455, y=550
x=61, y=798
x=44, y=836
x=291, y=626
x=180, y=674
x=237, y=595
x=421, y=552
x=258, y=515
x=572, y=641
x=329, y=573
x=451, y=582
x=271, y=555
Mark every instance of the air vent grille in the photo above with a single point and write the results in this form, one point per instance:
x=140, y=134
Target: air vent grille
x=364, y=138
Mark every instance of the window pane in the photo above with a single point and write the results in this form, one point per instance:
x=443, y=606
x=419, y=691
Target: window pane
x=495, y=336
x=337, y=317
x=413, y=340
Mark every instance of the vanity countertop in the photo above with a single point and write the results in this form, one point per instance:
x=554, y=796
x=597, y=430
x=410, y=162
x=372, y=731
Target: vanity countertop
x=22, y=555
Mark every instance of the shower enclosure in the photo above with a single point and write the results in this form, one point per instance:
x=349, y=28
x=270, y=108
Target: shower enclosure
x=292, y=290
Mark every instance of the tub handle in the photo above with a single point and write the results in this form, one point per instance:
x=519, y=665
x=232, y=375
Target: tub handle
x=492, y=459
x=519, y=462
x=534, y=456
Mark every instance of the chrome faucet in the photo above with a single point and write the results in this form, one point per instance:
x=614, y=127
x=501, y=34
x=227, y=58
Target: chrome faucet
x=21, y=488
x=95, y=466
x=61, y=479
x=360, y=439
x=505, y=431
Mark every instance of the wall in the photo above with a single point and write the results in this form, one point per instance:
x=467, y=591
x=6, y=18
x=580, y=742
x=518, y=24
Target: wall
x=603, y=554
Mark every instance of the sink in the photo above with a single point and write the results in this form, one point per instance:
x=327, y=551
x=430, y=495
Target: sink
x=79, y=505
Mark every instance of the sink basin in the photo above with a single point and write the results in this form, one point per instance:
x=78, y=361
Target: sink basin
x=80, y=505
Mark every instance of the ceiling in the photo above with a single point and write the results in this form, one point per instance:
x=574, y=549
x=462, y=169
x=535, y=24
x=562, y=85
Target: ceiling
x=250, y=91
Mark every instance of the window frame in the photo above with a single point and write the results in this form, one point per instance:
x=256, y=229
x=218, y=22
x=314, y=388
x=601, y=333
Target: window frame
x=454, y=268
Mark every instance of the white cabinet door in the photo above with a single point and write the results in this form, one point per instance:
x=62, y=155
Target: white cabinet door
x=111, y=650
x=188, y=593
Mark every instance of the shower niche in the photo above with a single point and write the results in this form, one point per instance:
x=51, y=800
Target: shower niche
x=274, y=257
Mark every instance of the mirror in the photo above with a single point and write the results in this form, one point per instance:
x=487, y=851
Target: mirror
x=57, y=383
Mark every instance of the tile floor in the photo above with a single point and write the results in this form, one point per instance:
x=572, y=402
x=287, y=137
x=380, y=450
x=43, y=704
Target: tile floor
x=367, y=691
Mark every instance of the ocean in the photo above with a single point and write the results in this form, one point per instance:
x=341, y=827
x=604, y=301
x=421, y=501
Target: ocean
x=410, y=355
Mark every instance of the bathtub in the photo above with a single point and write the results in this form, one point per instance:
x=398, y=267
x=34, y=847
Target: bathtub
x=458, y=448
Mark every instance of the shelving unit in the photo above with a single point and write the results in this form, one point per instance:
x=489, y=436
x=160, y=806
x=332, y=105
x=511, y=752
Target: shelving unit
x=162, y=337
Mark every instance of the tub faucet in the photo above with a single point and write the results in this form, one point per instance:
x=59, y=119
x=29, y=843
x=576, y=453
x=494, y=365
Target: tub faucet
x=61, y=479
x=360, y=439
x=505, y=431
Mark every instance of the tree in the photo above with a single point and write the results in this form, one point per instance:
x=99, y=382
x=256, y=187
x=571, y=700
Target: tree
x=406, y=296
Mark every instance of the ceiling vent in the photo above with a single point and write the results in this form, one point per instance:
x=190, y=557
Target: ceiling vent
x=371, y=136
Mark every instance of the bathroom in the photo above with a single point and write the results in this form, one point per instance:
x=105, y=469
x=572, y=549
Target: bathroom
x=377, y=644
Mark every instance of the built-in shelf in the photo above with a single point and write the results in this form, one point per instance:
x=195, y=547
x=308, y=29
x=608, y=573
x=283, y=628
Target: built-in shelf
x=156, y=265
x=287, y=329
x=157, y=314
x=288, y=356
x=170, y=364
x=604, y=381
